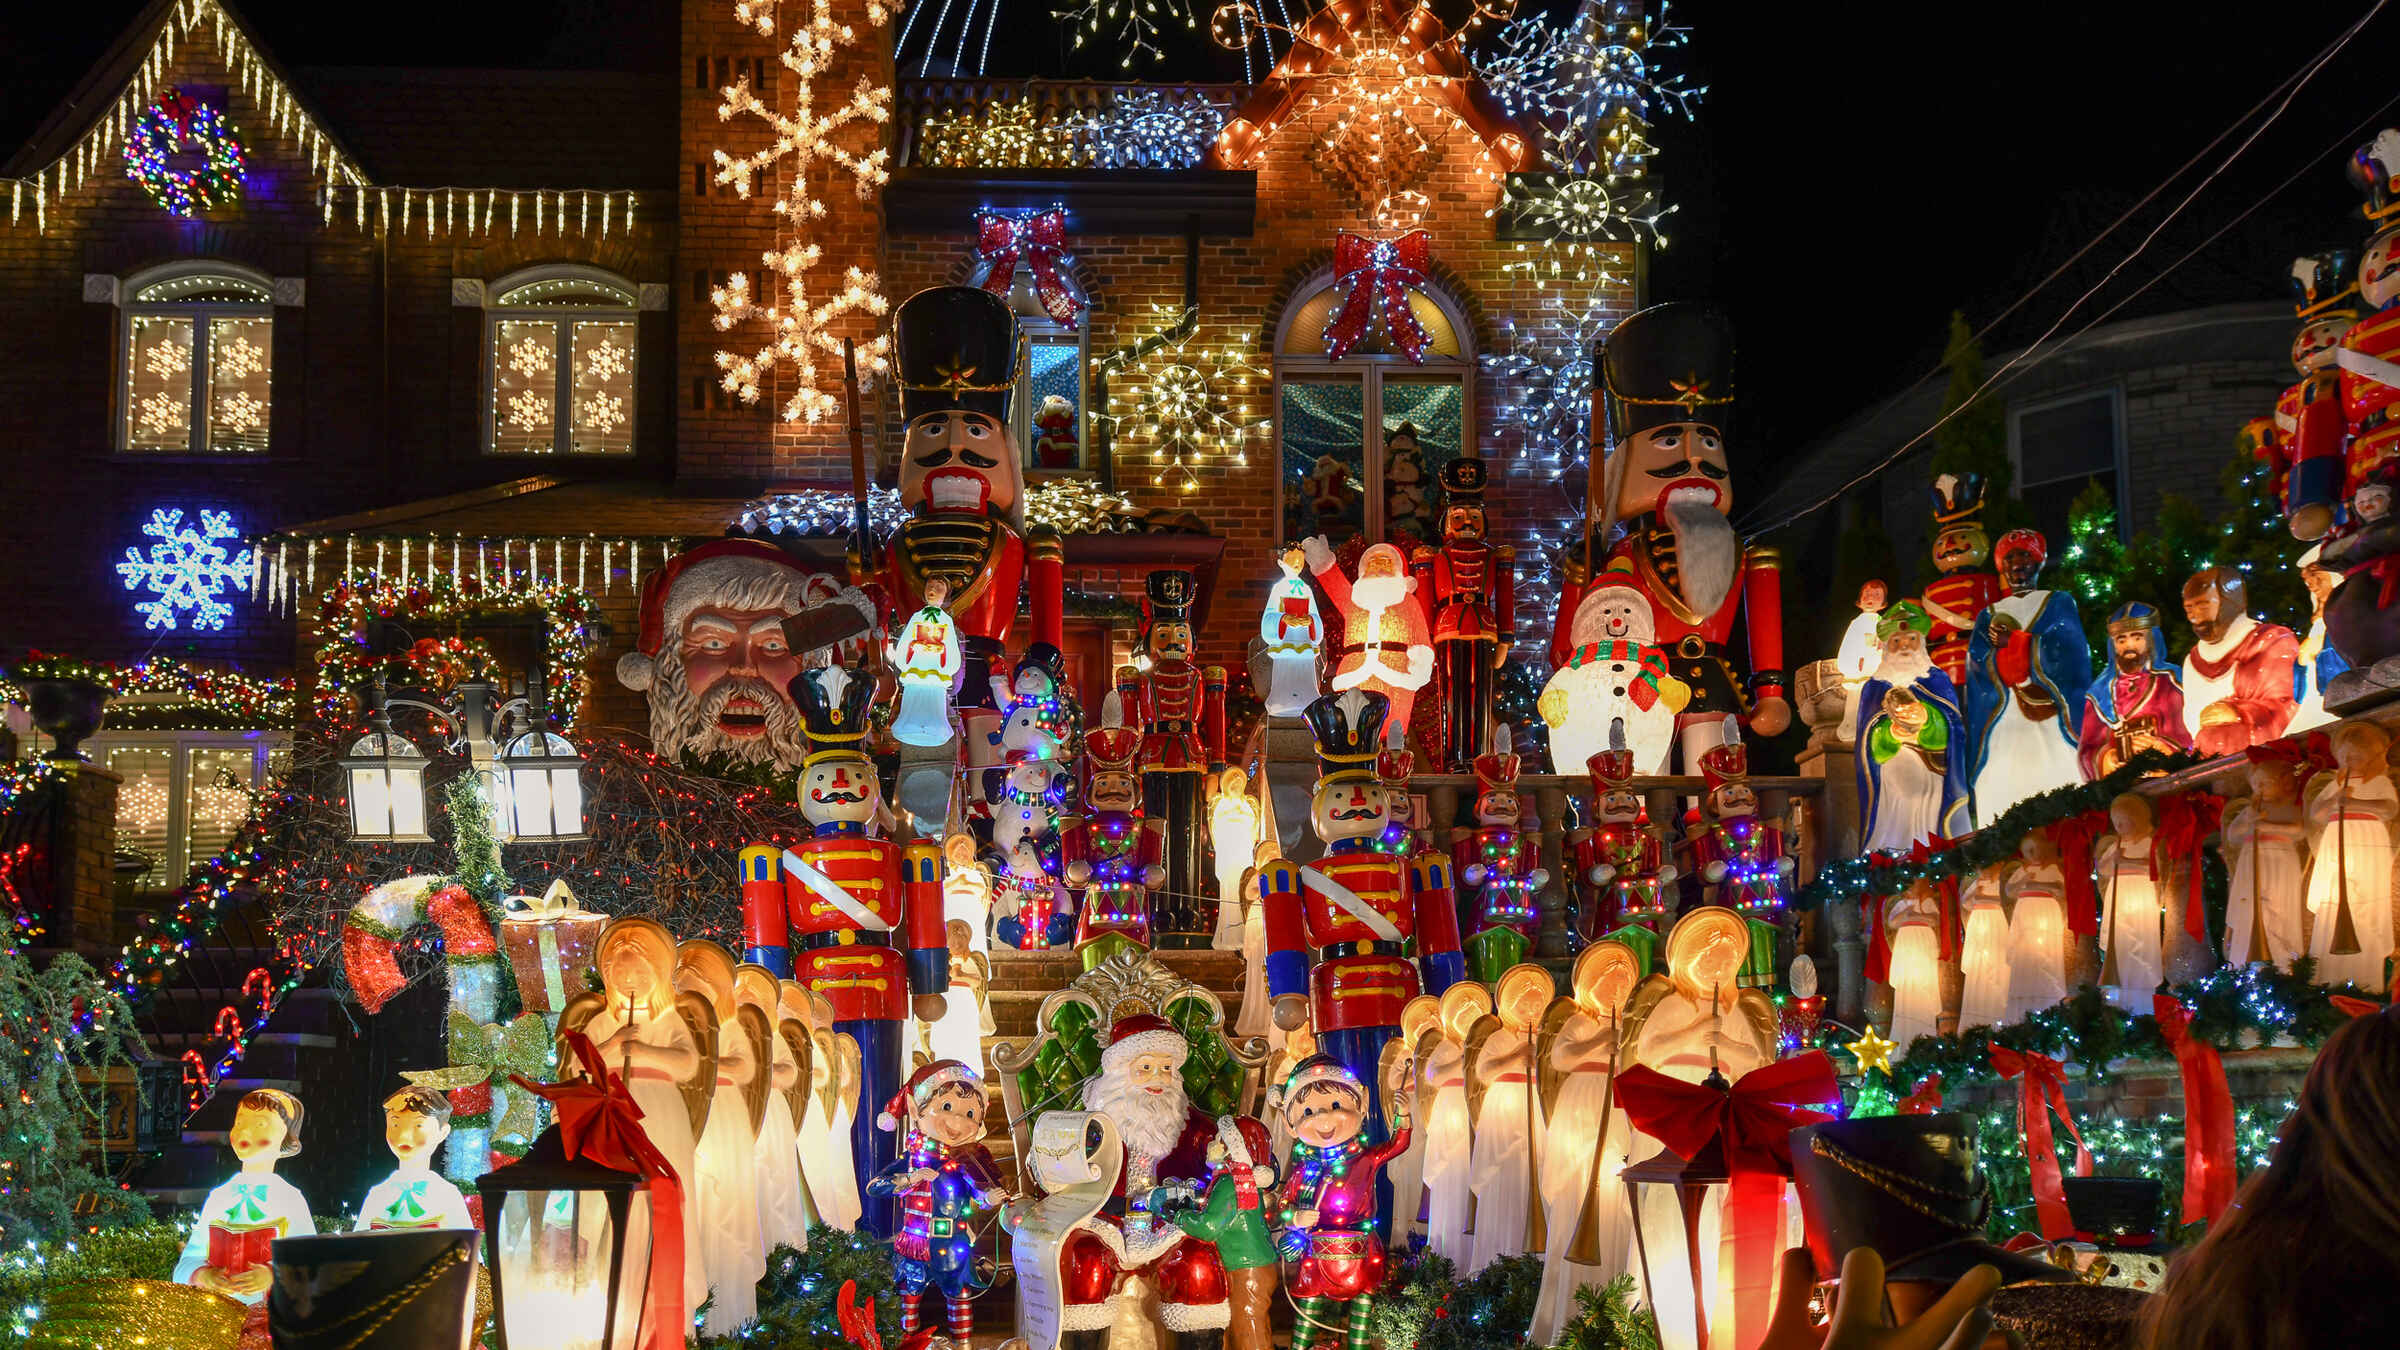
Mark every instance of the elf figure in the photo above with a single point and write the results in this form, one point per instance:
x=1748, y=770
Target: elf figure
x=1468, y=584
x=851, y=897
x=1498, y=859
x=415, y=1122
x=1624, y=858
x=1741, y=855
x=1180, y=708
x=231, y=1247
x=1328, y=1209
x=942, y=1178
x=1233, y=1215
x=1112, y=855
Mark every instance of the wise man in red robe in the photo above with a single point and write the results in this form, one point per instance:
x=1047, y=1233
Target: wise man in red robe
x=2238, y=686
x=2137, y=704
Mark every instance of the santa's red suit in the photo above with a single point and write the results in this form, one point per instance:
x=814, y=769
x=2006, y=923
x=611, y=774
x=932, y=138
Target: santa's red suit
x=1124, y=1239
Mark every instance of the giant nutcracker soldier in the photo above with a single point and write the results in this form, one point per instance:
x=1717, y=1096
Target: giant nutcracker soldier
x=1180, y=708
x=1658, y=510
x=963, y=482
x=1742, y=855
x=1112, y=854
x=1468, y=585
x=1357, y=908
x=865, y=913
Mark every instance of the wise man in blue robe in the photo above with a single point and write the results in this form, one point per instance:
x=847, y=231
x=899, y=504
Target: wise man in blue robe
x=1912, y=758
x=2028, y=665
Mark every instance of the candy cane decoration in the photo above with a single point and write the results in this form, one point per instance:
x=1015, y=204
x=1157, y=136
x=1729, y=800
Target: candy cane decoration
x=370, y=957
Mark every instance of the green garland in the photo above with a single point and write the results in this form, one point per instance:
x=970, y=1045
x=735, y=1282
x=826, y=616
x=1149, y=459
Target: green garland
x=2120, y=1148
x=202, y=696
x=1423, y=1305
x=137, y=1251
x=1607, y=1318
x=796, y=1299
x=571, y=619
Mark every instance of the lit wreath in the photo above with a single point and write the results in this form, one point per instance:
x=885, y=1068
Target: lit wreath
x=177, y=121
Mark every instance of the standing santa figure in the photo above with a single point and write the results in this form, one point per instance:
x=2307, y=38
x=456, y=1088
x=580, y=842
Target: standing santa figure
x=1615, y=675
x=2136, y=704
x=2132, y=919
x=2262, y=845
x=2027, y=668
x=2353, y=809
x=1912, y=780
x=1386, y=645
x=2238, y=679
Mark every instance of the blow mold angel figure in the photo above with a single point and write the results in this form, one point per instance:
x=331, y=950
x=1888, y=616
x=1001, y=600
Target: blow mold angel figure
x=415, y=1122
x=231, y=1247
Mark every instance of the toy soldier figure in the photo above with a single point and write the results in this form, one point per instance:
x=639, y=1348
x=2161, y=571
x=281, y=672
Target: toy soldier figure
x=1624, y=858
x=1180, y=708
x=1657, y=510
x=1112, y=855
x=846, y=893
x=1356, y=908
x=963, y=481
x=1966, y=586
x=1499, y=860
x=1741, y=855
x=2369, y=357
x=1394, y=767
x=1468, y=585
x=2305, y=452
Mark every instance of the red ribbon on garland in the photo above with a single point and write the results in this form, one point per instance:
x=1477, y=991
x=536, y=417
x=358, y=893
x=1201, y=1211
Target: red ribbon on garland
x=2184, y=822
x=1926, y=1100
x=2208, y=1179
x=2075, y=836
x=1038, y=238
x=599, y=1123
x=2044, y=1091
x=1879, y=933
x=1375, y=276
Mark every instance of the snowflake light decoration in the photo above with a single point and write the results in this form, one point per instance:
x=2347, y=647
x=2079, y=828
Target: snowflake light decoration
x=1194, y=407
x=167, y=359
x=239, y=413
x=528, y=411
x=606, y=361
x=239, y=359
x=529, y=358
x=188, y=571
x=162, y=413
x=602, y=413
x=806, y=144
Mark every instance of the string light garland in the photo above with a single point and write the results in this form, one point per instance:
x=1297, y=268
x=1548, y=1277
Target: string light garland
x=176, y=128
x=461, y=212
x=1137, y=27
x=806, y=144
x=571, y=619
x=2121, y=1146
x=193, y=694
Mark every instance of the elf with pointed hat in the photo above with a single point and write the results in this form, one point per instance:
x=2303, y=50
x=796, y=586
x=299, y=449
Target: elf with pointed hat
x=1328, y=1200
x=943, y=1177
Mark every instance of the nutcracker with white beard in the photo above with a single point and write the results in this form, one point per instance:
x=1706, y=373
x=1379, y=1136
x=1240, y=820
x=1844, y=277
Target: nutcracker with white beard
x=1165, y=1138
x=1657, y=510
x=724, y=629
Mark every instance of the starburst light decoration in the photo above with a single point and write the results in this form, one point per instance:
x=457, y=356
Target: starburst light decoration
x=187, y=571
x=808, y=153
x=1193, y=407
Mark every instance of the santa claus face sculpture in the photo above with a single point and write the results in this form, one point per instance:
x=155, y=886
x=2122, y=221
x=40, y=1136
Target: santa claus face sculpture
x=963, y=462
x=1678, y=468
x=839, y=791
x=737, y=664
x=1349, y=808
x=1383, y=579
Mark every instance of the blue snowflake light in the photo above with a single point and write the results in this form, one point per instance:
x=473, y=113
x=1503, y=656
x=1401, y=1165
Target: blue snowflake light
x=188, y=571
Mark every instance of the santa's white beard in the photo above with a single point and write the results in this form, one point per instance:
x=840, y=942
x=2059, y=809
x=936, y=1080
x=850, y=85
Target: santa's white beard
x=1897, y=670
x=1379, y=592
x=1150, y=1123
x=1706, y=552
x=681, y=720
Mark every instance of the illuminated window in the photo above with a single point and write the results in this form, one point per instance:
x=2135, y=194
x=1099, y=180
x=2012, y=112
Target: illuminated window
x=1334, y=477
x=562, y=363
x=198, y=361
x=183, y=794
x=1046, y=414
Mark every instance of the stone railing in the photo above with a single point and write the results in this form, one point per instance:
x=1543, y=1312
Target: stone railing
x=1059, y=124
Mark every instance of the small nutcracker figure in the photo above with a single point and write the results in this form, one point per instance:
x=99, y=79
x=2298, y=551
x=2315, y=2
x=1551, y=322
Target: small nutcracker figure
x=1967, y=585
x=1498, y=859
x=846, y=895
x=1180, y=708
x=1394, y=767
x=1329, y=1190
x=1624, y=859
x=1112, y=855
x=1358, y=907
x=1742, y=855
x=943, y=1177
x=2303, y=445
x=1468, y=585
x=2369, y=357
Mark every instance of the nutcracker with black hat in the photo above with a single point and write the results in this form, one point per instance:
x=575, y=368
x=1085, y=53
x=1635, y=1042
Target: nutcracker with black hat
x=854, y=900
x=1742, y=855
x=2369, y=355
x=1468, y=584
x=963, y=480
x=1180, y=708
x=1967, y=586
x=943, y=1178
x=1339, y=928
x=1660, y=493
x=2302, y=446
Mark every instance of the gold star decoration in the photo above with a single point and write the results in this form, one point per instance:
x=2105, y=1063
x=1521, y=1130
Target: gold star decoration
x=1872, y=1051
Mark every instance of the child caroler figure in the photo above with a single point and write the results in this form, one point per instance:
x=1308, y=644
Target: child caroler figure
x=1233, y=1215
x=231, y=1248
x=415, y=1122
x=1329, y=1197
x=943, y=1177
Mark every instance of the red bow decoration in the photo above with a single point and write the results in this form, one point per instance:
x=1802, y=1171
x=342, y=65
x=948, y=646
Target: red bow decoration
x=2357, y=1007
x=1376, y=275
x=2207, y=1114
x=2184, y=822
x=1040, y=238
x=599, y=1123
x=2045, y=1091
x=1926, y=1100
x=858, y=1323
x=2075, y=836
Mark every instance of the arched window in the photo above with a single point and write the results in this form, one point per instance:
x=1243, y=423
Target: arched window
x=1360, y=439
x=561, y=337
x=198, y=358
x=1046, y=414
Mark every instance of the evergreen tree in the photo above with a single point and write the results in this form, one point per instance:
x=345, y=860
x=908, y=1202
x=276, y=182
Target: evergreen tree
x=1875, y=1095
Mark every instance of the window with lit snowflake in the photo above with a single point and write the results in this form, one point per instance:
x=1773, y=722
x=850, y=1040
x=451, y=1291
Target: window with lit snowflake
x=198, y=362
x=562, y=343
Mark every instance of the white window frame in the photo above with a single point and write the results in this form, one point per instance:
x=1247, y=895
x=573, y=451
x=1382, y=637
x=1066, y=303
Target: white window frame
x=1372, y=369
x=196, y=313
x=2115, y=394
x=497, y=311
x=177, y=861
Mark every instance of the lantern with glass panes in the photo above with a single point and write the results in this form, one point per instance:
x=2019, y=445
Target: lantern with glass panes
x=1671, y=1201
x=387, y=783
x=568, y=1244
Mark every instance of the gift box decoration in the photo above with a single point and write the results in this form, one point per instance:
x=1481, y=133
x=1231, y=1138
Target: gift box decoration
x=549, y=940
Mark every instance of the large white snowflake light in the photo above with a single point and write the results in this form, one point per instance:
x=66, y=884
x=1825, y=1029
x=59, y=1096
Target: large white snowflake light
x=240, y=359
x=807, y=145
x=167, y=359
x=240, y=414
x=188, y=571
x=161, y=413
x=528, y=411
x=606, y=360
x=602, y=413
x=528, y=357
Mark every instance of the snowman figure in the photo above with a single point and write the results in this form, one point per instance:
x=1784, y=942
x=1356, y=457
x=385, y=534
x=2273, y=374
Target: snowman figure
x=1615, y=671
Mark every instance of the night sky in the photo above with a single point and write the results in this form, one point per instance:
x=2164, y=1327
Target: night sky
x=1854, y=174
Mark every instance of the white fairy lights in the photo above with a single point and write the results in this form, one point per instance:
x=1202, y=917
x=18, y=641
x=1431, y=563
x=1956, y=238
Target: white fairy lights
x=807, y=142
x=1191, y=403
